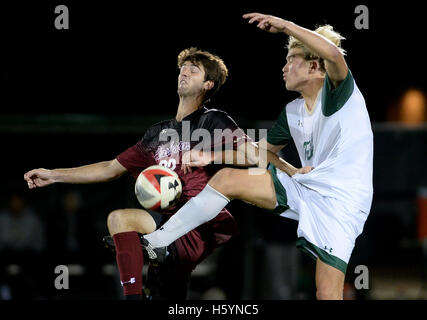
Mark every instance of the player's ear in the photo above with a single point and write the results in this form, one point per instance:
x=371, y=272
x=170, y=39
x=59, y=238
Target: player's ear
x=208, y=85
x=314, y=65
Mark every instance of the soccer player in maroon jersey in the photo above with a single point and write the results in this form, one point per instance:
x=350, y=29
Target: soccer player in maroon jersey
x=201, y=75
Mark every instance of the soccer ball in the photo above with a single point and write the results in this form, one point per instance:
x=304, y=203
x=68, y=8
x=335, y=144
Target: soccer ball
x=158, y=187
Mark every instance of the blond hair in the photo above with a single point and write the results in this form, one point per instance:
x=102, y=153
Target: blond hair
x=328, y=32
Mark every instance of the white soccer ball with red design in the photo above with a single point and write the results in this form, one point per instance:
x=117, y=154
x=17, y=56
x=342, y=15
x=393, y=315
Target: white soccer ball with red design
x=158, y=187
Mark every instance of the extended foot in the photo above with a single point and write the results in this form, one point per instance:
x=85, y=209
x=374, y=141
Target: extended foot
x=156, y=255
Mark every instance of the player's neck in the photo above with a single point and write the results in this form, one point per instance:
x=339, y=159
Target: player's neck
x=187, y=105
x=310, y=93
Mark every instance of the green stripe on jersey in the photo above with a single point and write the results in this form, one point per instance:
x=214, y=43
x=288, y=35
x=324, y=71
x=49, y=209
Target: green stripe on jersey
x=324, y=256
x=282, y=197
x=333, y=99
x=279, y=134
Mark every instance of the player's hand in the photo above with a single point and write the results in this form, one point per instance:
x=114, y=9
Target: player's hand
x=304, y=170
x=195, y=158
x=39, y=178
x=266, y=22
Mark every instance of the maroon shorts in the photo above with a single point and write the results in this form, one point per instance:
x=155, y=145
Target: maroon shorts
x=170, y=280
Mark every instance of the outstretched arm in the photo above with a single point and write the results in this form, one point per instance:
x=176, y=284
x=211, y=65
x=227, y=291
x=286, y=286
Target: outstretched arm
x=279, y=162
x=93, y=173
x=247, y=154
x=335, y=64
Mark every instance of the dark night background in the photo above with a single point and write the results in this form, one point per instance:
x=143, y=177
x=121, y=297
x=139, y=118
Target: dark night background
x=119, y=57
x=83, y=95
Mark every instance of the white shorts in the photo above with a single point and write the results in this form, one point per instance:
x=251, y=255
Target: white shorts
x=327, y=227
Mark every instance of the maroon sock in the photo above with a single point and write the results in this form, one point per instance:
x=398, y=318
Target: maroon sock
x=130, y=261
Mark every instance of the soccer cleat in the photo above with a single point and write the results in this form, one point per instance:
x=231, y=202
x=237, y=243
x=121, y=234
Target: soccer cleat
x=146, y=294
x=109, y=243
x=156, y=255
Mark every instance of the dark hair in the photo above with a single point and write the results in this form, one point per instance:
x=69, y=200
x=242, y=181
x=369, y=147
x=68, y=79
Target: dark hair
x=215, y=69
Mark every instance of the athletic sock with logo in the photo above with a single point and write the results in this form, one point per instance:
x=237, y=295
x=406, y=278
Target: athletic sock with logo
x=198, y=210
x=130, y=262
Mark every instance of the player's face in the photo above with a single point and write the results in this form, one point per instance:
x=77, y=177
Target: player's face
x=296, y=70
x=191, y=79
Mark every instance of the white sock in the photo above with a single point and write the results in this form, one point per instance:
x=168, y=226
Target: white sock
x=198, y=210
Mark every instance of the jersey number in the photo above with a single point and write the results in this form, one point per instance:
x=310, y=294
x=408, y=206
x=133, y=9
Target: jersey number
x=171, y=163
x=308, y=149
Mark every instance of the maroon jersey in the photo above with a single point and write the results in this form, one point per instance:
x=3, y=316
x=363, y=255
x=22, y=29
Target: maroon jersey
x=164, y=144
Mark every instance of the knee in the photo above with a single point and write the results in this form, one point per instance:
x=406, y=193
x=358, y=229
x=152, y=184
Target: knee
x=329, y=292
x=115, y=220
x=223, y=182
x=125, y=220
